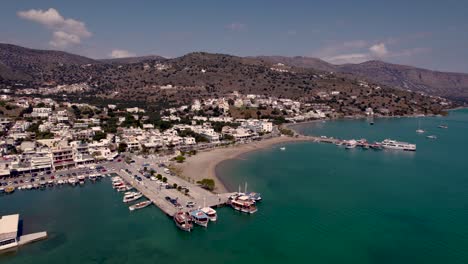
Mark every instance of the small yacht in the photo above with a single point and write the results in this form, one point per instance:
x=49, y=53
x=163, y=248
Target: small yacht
x=419, y=130
x=350, y=144
x=283, y=148
x=432, y=137
x=139, y=205
x=50, y=183
x=122, y=188
x=443, y=126
x=199, y=217
x=29, y=186
x=132, y=197
x=211, y=213
x=183, y=221
x=60, y=182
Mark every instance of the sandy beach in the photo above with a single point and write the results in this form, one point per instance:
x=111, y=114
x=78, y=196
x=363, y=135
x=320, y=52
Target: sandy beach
x=203, y=164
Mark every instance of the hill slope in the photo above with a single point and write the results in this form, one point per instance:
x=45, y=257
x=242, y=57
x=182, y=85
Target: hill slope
x=447, y=84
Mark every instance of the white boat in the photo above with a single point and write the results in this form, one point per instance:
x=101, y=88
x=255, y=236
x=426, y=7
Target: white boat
x=132, y=197
x=139, y=205
x=122, y=188
x=350, y=144
x=393, y=144
x=199, y=217
x=211, y=213
x=183, y=221
x=419, y=130
x=283, y=148
x=432, y=137
x=81, y=179
x=243, y=204
x=443, y=126
x=60, y=182
x=29, y=186
x=72, y=181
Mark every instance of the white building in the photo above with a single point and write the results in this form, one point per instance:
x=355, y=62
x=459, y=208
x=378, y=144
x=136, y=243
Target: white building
x=8, y=231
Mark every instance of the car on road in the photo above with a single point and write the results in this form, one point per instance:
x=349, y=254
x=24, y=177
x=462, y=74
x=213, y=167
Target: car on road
x=190, y=204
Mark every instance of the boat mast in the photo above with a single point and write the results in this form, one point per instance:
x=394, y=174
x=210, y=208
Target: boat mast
x=245, y=188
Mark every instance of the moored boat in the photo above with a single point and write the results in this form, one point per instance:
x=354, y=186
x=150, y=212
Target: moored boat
x=243, y=204
x=199, y=217
x=132, y=197
x=183, y=221
x=257, y=197
x=139, y=205
x=211, y=213
x=72, y=181
x=393, y=144
x=9, y=189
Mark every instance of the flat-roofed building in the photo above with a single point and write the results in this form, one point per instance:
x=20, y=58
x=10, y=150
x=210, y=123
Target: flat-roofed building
x=9, y=231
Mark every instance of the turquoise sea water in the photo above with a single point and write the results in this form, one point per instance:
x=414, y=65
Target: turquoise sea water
x=322, y=204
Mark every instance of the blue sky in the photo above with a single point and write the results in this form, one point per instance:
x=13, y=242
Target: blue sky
x=430, y=34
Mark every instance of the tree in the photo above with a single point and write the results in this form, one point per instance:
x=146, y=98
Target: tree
x=122, y=147
x=208, y=184
x=174, y=185
x=159, y=177
x=179, y=188
x=179, y=159
x=164, y=179
x=99, y=135
x=152, y=172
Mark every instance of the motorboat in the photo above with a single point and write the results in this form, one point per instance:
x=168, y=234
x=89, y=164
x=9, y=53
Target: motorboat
x=199, y=217
x=132, y=197
x=211, y=213
x=139, y=205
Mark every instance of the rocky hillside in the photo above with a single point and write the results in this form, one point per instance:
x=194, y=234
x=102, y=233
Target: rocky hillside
x=447, y=84
x=175, y=81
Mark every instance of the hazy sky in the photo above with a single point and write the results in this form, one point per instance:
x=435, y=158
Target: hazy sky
x=430, y=34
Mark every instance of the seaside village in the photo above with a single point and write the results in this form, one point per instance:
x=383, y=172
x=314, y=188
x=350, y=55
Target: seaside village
x=44, y=143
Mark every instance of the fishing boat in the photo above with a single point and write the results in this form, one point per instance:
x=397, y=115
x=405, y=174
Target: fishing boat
x=243, y=204
x=139, y=205
x=199, y=217
x=9, y=189
x=132, y=197
x=183, y=221
x=211, y=213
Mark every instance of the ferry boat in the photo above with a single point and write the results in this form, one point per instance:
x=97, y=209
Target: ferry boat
x=393, y=144
x=211, y=213
x=132, y=197
x=199, y=217
x=183, y=221
x=243, y=204
x=139, y=205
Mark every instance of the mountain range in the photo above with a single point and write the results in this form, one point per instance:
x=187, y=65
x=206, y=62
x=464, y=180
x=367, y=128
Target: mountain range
x=157, y=80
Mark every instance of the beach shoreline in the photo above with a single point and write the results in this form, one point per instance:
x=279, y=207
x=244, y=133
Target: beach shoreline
x=203, y=164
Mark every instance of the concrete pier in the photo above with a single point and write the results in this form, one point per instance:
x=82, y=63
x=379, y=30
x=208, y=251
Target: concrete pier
x=156, y=194
x=30, y=238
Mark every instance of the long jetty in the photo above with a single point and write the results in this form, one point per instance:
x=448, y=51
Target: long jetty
x=157, y=194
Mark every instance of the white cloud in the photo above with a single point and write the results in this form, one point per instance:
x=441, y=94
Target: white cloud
x=379, y=50
x=348, y=58
x=66, y=31
x=120, y=53
x=236, y=26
